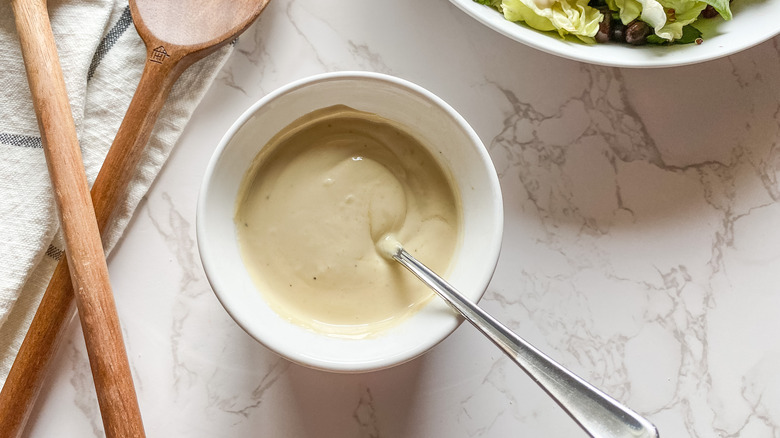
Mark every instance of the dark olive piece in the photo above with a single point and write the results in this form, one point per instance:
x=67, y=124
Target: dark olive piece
x=709, y=12
x=605, y=28
x=618, y=31
x=637, y=32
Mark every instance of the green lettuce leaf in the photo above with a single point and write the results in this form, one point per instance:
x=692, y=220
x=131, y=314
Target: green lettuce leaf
x=492, y=3
x=689, y=35
x=668, y=18
x=629, y=10
x=685, y=13
x=573, y=17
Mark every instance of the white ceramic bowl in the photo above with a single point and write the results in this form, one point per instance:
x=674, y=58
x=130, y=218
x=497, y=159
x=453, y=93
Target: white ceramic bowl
x=426, y=117
x=754, y=22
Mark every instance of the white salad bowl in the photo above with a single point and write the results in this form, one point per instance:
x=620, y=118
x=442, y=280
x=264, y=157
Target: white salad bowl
x=753, y=22
x=426, y=117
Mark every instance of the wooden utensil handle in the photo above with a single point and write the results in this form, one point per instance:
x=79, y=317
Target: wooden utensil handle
x=128, y=146
x=84, y=251
x=29, y=369
x=26, y=376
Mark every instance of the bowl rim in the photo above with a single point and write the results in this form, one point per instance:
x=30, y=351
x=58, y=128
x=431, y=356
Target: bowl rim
x=492, y=239
x=547, y=43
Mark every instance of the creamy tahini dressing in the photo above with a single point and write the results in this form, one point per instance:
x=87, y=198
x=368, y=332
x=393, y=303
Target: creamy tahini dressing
x=317, y=201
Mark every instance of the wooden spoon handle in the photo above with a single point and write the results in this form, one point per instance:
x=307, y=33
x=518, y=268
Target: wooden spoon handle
x=25, y=379
x=88, y=270
x=29, y=369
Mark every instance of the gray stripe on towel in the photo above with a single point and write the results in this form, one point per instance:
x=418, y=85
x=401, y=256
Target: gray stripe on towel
x=25, y=141
x=54, y=252
x=109, y=40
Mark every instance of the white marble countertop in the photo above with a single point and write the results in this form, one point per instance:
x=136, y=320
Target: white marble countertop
x=641, y=246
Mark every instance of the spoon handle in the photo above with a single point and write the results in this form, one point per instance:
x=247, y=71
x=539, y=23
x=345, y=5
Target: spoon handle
x=29, y=369
x=88, y=271
x=26, y=376
x=597, y=413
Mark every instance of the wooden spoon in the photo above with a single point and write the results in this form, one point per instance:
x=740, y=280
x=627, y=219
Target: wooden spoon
x=84, y=250
x=177, y=33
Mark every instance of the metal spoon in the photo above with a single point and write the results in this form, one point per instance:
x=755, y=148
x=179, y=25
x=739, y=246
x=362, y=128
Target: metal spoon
x=598, y=414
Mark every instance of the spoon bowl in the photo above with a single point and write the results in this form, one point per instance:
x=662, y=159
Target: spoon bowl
x=186, y=27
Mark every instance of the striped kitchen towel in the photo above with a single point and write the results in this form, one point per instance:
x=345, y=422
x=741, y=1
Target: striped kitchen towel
x=102, y=58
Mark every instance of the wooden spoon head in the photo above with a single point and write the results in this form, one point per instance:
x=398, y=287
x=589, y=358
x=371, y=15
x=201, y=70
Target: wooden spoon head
x=193, y=25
